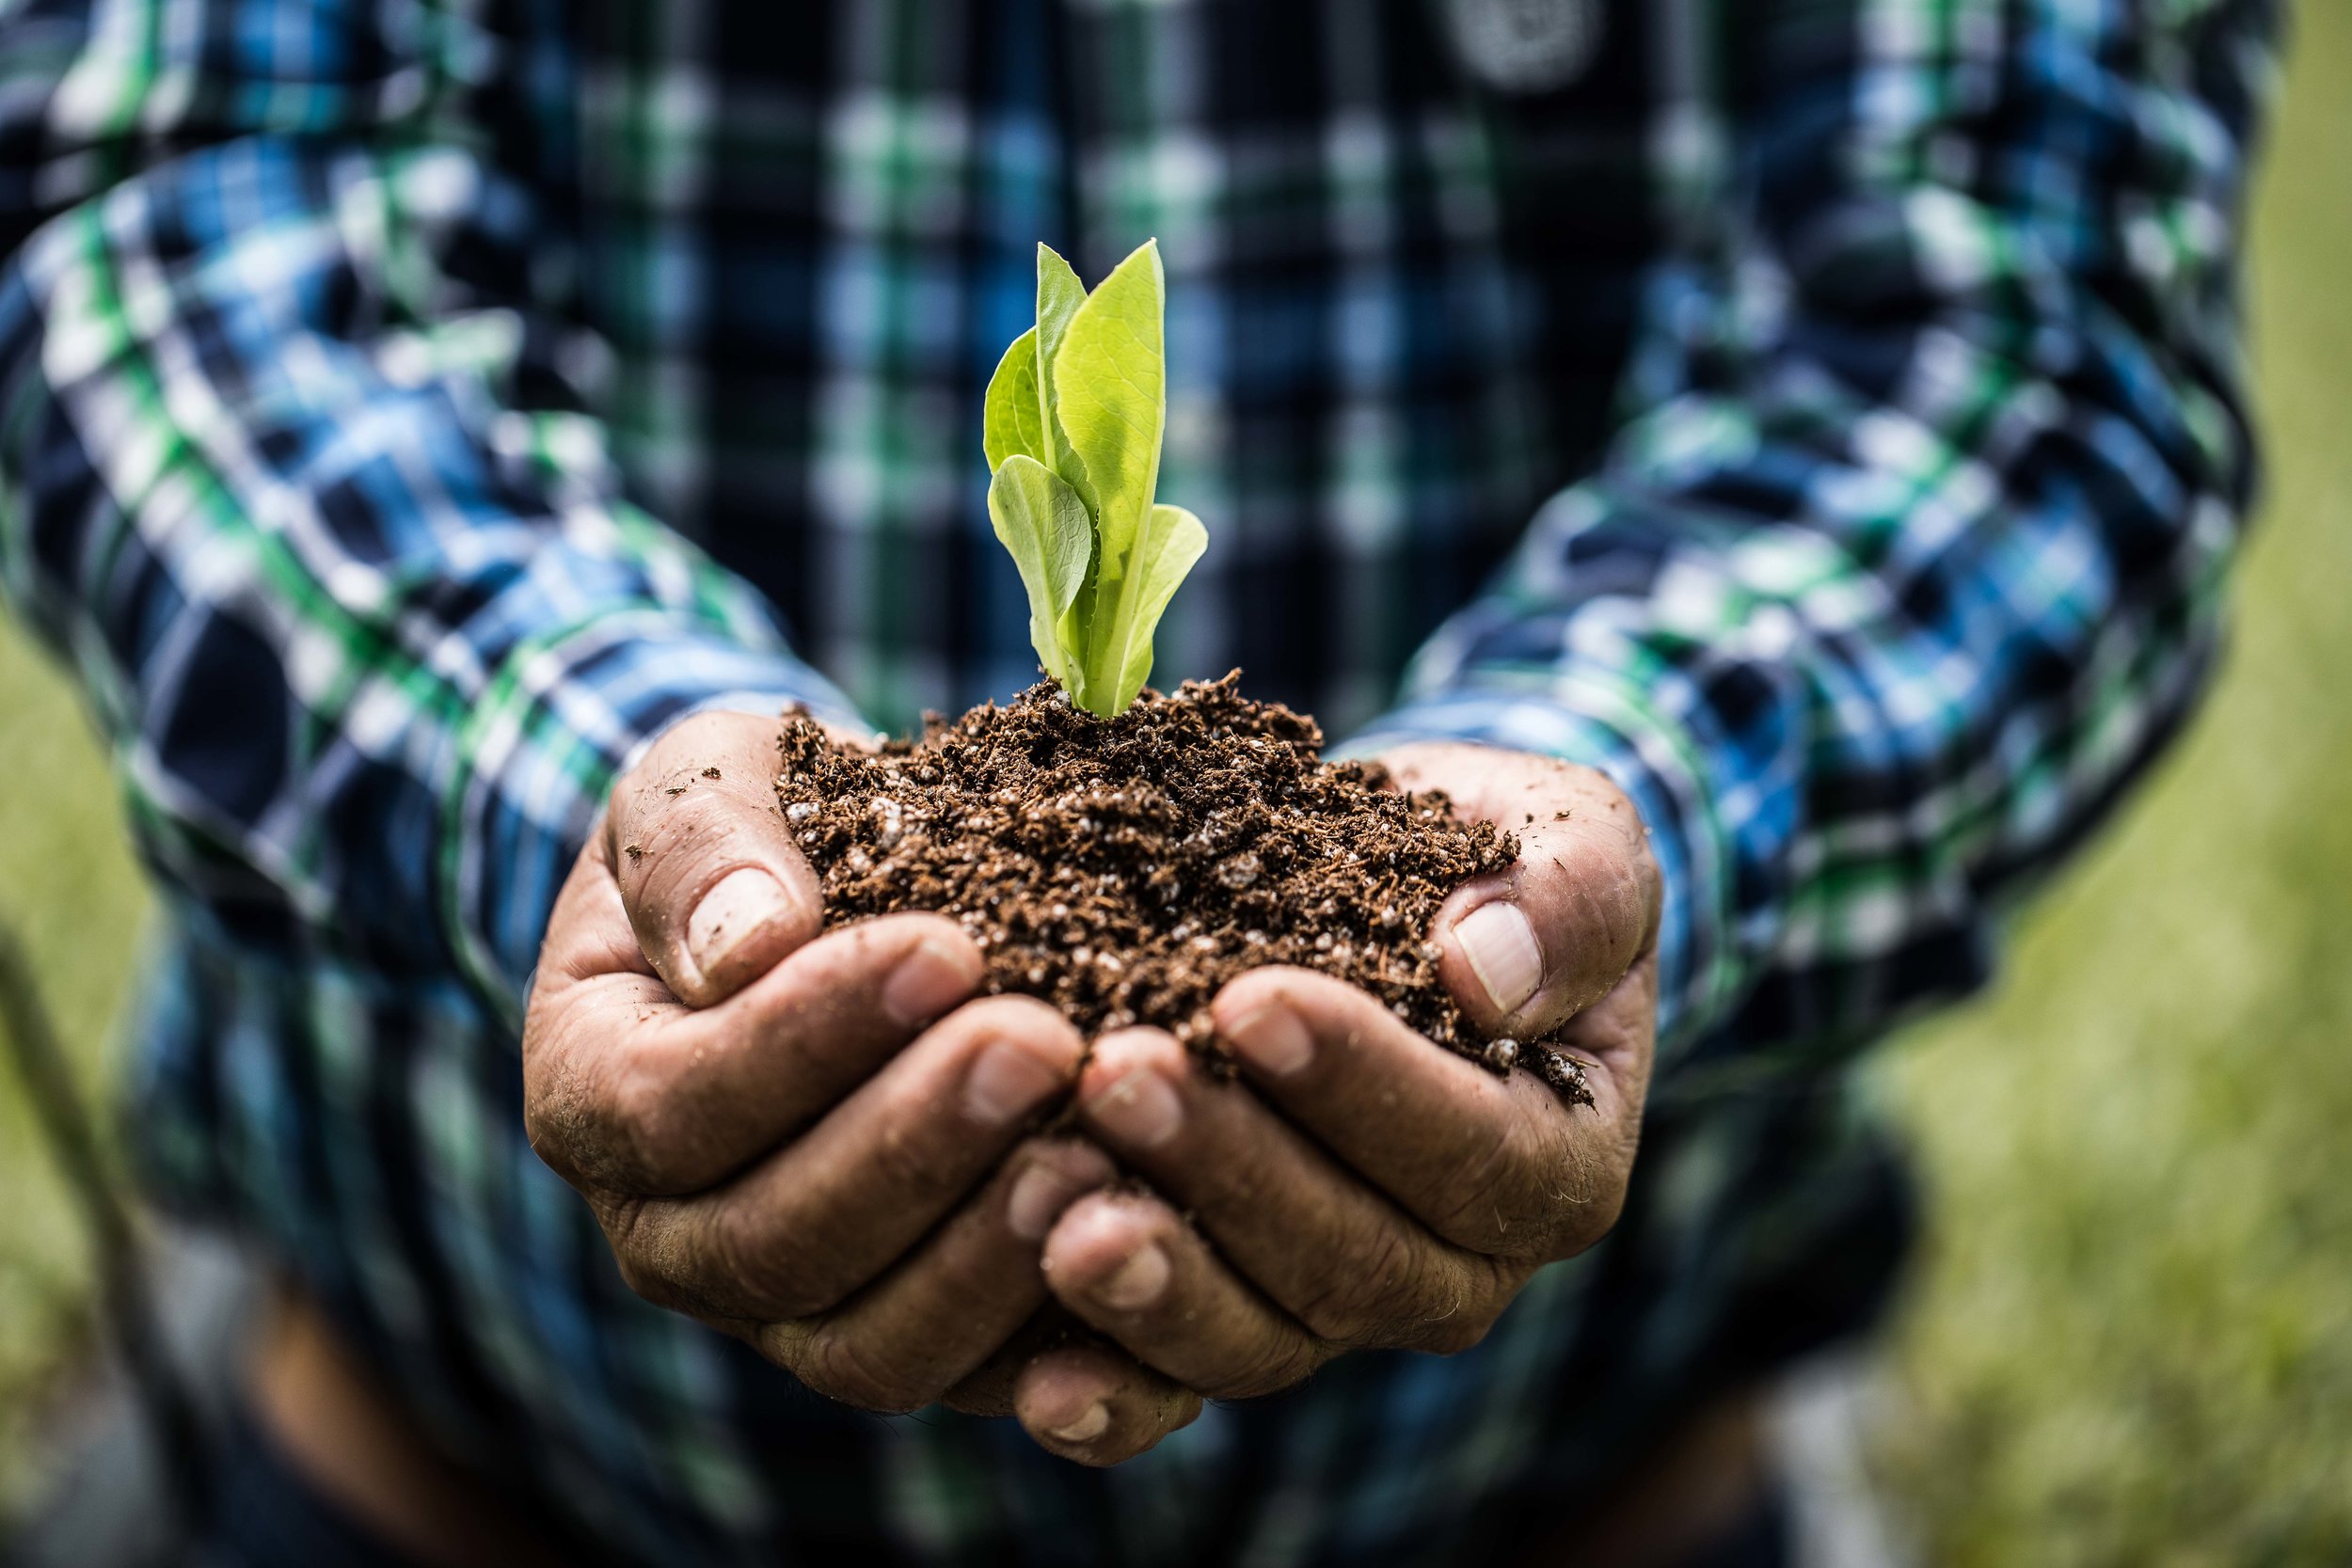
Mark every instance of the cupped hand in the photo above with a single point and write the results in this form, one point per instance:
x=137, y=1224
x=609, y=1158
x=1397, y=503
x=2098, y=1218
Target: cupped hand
x=1368, y=1189
x=818, y=1142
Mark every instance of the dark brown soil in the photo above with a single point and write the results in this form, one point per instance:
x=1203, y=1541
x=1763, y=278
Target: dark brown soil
x=1124, y=869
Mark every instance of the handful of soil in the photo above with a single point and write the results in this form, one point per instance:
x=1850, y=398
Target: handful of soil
x=1124, y=869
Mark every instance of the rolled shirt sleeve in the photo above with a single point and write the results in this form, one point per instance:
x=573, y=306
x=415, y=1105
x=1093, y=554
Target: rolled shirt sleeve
x=296, y=474
x=1911, y=551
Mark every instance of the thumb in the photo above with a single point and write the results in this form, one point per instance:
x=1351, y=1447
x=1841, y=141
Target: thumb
x=714, y=887
x=1527, y=948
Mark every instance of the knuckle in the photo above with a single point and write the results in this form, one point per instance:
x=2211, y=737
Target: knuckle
x=644, y=1266
x=1367, y=1300
x=1474, y=1304
x=651, y=1284
x=1460, y=1330
x=560, y=1090
x=643, y=1281
x=1480, y=1205
x=1274, y=1362
x=1590, y=1199
x=775, y=1271
x=628, y=1118
x=628, y=1251
x=554, y=1124
x=843, y=1364
x=639, y=1110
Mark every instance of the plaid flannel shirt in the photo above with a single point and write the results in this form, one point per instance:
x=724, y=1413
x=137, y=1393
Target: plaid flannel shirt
x=1820, y=413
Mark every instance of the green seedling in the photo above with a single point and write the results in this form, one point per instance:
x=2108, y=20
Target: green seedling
x=1075, y=413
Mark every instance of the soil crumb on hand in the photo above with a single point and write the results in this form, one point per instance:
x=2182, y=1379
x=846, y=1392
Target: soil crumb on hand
x=1123, y=869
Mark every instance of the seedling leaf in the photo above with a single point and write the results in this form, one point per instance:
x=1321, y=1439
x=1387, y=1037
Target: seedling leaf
x=1112, y=392
x=1111, y=375
x=1175, y=541
x=1060, y=297
x=1073, y=422
x=1043, y=525
x=1013, y=424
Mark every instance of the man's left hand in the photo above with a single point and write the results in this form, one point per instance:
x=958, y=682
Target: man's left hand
x=1377, y=1191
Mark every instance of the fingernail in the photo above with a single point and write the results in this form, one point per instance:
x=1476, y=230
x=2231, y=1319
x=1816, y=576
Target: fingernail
x=1141, y=1108
x=1039, y=1197
x=1502, y=952
x=926, y=983
x=1273, y=1038
x=1092, y=1423
x=1005, y=1083
x=736, y=909
x=1137, y=1282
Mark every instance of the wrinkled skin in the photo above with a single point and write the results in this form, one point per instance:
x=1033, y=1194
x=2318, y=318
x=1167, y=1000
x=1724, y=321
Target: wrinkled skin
x=820, y=1142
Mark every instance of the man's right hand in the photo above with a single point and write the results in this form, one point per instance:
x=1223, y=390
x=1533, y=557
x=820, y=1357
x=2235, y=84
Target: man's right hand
x=813, y=1142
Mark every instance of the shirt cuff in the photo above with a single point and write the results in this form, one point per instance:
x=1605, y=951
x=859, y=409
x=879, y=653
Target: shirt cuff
x=538, y=756
x=1606, y=722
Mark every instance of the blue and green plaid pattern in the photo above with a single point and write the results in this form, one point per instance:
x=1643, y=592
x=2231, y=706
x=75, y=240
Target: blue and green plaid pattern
x=1821, y=414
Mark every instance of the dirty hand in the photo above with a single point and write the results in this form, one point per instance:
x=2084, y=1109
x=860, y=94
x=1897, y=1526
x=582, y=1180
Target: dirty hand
x=1374, y=1190
x=814, y=1143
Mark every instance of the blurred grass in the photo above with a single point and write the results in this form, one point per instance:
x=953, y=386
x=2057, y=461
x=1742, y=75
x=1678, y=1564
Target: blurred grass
x=2131, y=1337
x=69, y=887
x=2131, y=1340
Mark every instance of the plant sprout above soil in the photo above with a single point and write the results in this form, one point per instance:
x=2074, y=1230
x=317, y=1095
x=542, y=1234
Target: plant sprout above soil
x=1074, y=418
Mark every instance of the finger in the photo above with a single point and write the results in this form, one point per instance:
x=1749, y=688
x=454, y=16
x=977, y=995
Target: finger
x=588, y=935
x=1343, y=1264
x=1095, y=1405
x=1500, y=1165
x=713, y=884
x=1526, y=948
x=1614, y=1039
x=939, y=1315
x=627, y=1089
x=802, y=1230
x=1127, y=1264
x=987, y=1389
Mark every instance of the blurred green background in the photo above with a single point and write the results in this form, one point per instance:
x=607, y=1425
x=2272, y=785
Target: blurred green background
x=2130, y=1338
